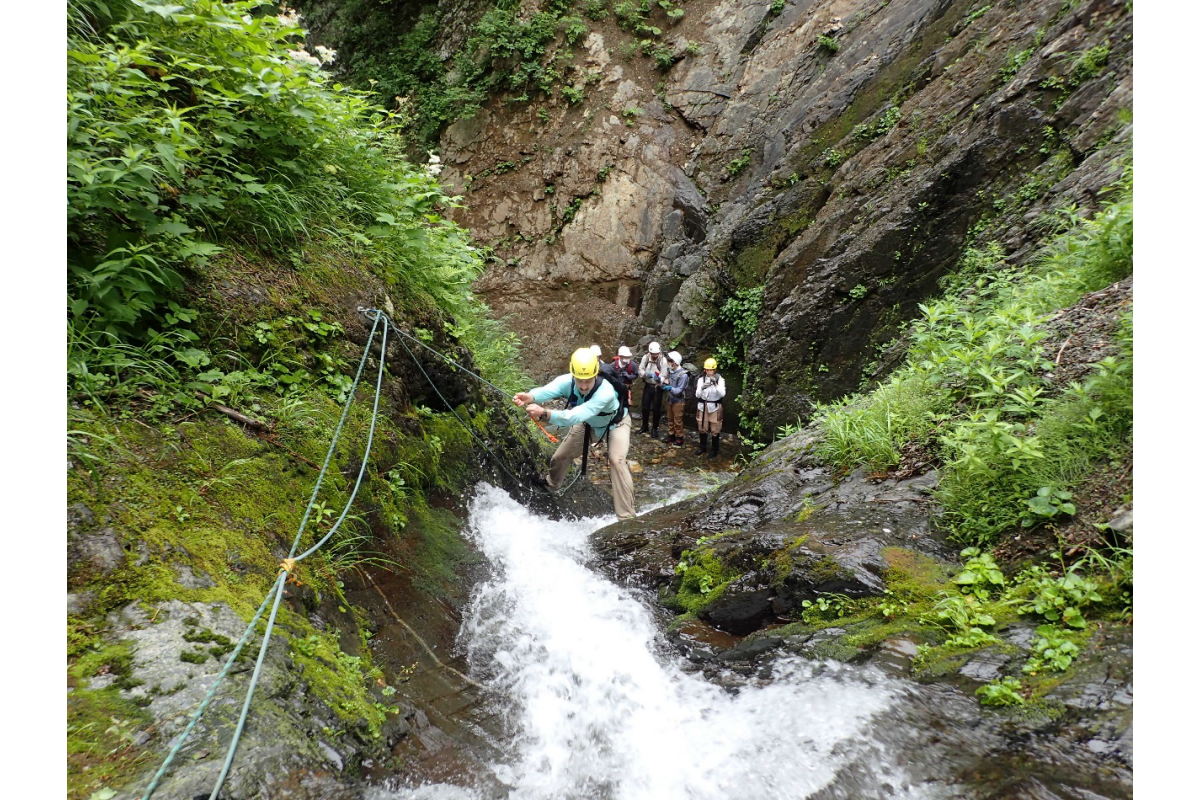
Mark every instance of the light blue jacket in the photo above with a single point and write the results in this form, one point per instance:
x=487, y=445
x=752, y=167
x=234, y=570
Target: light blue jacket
x=597, y=412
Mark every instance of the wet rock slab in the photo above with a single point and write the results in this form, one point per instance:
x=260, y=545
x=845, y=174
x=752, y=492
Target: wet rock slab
x=787, y=528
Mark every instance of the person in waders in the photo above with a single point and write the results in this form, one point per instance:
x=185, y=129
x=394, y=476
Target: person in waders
x=652, y=371
x=677, y=382
x=594, y=410
x=710, y=392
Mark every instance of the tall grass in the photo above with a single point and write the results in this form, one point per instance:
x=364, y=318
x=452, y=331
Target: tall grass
x=976, y=383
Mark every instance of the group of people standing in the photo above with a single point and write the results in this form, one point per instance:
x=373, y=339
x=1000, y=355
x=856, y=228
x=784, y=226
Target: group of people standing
x=595, y=409
x=665, y=375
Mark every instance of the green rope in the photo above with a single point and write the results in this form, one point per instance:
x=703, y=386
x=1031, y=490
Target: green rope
x=455, y=364
x=211, y=694
x=262, y=650
x=277, y=588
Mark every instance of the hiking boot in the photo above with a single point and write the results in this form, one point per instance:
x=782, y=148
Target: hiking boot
x=703, y=448
x=716, y=446
x=645, y=430
x=654, y=433
x=677, y=441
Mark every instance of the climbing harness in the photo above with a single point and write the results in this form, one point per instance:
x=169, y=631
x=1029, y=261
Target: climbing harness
x=285, y=569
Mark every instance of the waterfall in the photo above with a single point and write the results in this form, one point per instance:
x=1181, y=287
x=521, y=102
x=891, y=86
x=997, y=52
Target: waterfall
x=595, y=706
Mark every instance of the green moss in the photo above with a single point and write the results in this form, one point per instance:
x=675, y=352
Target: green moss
x=825, y=570
x=750, y=266
x=701, y=582
x=193, y=656
x=871, y=630
x=837, y=649
x=438, y=551
x=100, y=729
x=114, y=659
x=936, y=662
x=914, y=578
x=792, y=629
x=338, y=679
x=783, y=559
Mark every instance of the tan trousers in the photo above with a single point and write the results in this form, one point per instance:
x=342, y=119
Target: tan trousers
x=675, y=419
x=709, y=422
x=618, y=468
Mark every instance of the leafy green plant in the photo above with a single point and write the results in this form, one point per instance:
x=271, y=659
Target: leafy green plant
x=825, y=606
x=858, y=292
x=1059, y=599
x=961, y=615
x=1003, y=692
x=1048, y=504
x=742, y=312
x=832, y=158
x=1015, y=61
x=595, y=9
x=1051, y=650
x=828, y=44
x=891, y=605
x=869, y=131
x=737, y=164
x=980, y=575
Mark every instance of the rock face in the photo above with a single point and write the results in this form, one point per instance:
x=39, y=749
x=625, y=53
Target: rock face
x=842, y=154
x=788, y=529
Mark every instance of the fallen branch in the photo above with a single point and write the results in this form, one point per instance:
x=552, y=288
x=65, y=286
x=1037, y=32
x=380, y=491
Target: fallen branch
x=236, y=416
x=1060, y=350
x=259, y=428
x=270, y=439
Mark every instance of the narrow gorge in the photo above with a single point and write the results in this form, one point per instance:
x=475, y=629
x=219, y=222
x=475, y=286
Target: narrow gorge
x=904, y=230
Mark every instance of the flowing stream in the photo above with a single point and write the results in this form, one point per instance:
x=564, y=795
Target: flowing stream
x=593, y=704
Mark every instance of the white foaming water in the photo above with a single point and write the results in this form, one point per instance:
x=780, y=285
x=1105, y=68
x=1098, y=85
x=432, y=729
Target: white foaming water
x=596, y=709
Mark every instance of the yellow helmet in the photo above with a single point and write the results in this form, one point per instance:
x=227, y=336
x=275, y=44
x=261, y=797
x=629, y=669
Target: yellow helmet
x=584, y=364
x=710, y=363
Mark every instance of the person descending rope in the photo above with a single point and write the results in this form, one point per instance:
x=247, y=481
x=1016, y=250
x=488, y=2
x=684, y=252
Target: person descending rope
x=652, y=371
x=593, y=407
x=677, y=381
x=710, y=392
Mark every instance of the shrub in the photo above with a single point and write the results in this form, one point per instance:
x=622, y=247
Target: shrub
x=196, y=124
x=977, y=380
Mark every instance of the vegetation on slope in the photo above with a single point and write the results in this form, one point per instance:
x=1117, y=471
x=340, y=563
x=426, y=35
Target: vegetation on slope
x=226, y=201
x=508, y=53
x=978, y=386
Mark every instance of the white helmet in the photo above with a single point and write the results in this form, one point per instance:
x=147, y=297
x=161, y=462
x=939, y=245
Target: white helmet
x=655, y=348
x=674, y=357
x=596, y=350
x=624, y=351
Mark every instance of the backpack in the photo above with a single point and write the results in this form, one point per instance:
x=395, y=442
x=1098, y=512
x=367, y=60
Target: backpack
x=609, y=373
